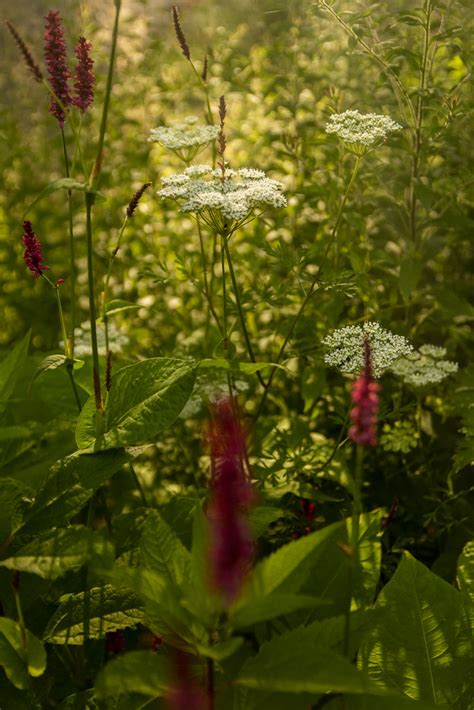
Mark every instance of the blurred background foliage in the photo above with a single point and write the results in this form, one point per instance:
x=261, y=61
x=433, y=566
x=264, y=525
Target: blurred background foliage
x=284, y=67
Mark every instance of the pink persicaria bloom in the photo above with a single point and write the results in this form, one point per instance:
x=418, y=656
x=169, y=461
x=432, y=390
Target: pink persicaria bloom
x=56, y=62
x=231, y=548
x=184, y=693
x=365, y=399
x=84, y=78
x=33, y=254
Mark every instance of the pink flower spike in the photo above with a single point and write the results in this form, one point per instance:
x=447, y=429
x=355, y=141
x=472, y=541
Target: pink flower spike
x=56, y=62
x=184, y=693
x=84, y=78
x=33, y=254
x=231, y=547
x=366, y=403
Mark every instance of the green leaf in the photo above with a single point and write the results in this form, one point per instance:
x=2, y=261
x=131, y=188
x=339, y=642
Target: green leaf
x=20, y=662
x=270, y=607
x=59, y=551
x=421, y=644
x=10, y=370
x=263, y=516
x=63, y=184
x=52, y=362
x=465, y=573
x=410, y=272
x=15, y=497
x=221, y=651
x=136, y=672
x=109, y=609
x=7, y=433
x=249, y=368
x=144, y=400
x=117, y=305
x=162, y=551
x=295, y=662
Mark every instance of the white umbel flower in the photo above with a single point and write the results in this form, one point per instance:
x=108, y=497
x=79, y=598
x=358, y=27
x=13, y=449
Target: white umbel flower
x=345, y=348
x=361, y=131
x=82, y=339
x=424, y=366
x=224, y=204
x=185, y=139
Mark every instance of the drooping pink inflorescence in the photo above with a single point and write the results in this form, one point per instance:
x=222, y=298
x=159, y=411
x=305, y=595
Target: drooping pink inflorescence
x=184, y=693
x=56, y=62
x=33, y=254
x=84, y=78
x=231, y=547
x=365, y=399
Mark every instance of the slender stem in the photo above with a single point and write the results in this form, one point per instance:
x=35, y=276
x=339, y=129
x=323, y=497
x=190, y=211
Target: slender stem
x=354, y=542
x=240, y=309
x=72, y=257
x=412, y=199
x=311, y=288
x=96, y=170
x=224, y=297
x=210, y=683
x=207, y=292
x=139, y=485
x=19, y=610
x=92, y=309
x=105, y=293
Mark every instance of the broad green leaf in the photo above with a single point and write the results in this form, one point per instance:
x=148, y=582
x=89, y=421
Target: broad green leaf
x=249, y=368
x=221, y=651
x=10, y=369
x=372, y=702
x=14, y=432
x=15, y=498
x=270, y=607
x=59, y=551
x=465, y=573
x=162, y=551
x=263, y=516
x=410, y=272
x=18, y=660
x=52, y=362
x=63, y=184
x=422, y=643
x=109, y=609
x=295, y=662
x=135, y=672
x=144, y=400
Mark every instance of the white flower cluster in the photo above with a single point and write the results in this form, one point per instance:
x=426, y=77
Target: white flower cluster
x=185, y=139
x=223, y=203
x=82, y=339
x=345, y=348
x=424, y=366
x=359, y=131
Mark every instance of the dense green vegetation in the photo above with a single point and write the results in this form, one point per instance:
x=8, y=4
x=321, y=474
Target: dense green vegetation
x=361, y=582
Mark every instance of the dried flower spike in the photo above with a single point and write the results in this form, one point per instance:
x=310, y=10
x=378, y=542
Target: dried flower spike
x=84, y=78
x=56, y=62
x=33, y=254
x=27, y=56
x=133, y=204
x=180, y=34
x=231, y=546
x=366, y=403
x=204, y=70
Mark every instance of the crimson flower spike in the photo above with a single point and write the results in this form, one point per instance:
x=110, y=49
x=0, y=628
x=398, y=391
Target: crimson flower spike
x=84, y=78
x=56, y=62
x=230, y=540
x=33, y=254
x=365, y=399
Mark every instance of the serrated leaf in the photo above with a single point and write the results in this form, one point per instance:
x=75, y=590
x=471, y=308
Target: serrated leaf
x=145, y=399
x=15, y=498
x=136, y=672
x=19, y=661
x=57, y=552
x=162, y=551
x=109, y=609
x=421, y=644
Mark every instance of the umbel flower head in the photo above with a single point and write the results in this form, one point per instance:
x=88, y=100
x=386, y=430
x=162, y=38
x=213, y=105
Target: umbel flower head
x=345, y=348
x=56, y=62
x=361, y=132
x=185, y=139
x=365, y=399
x=33, y=254
x=223, y=202
x=230, y=539
x=424, y=366
x=84, y=78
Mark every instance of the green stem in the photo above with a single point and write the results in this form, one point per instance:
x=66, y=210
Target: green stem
x=72, y=257
x=105, y=294
x=207, y=292
x=224, y=298
x=311, y=288
x=240, y=309
x=19, y=611
x=354, y=542
x=92, y=309
x=139, y=485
